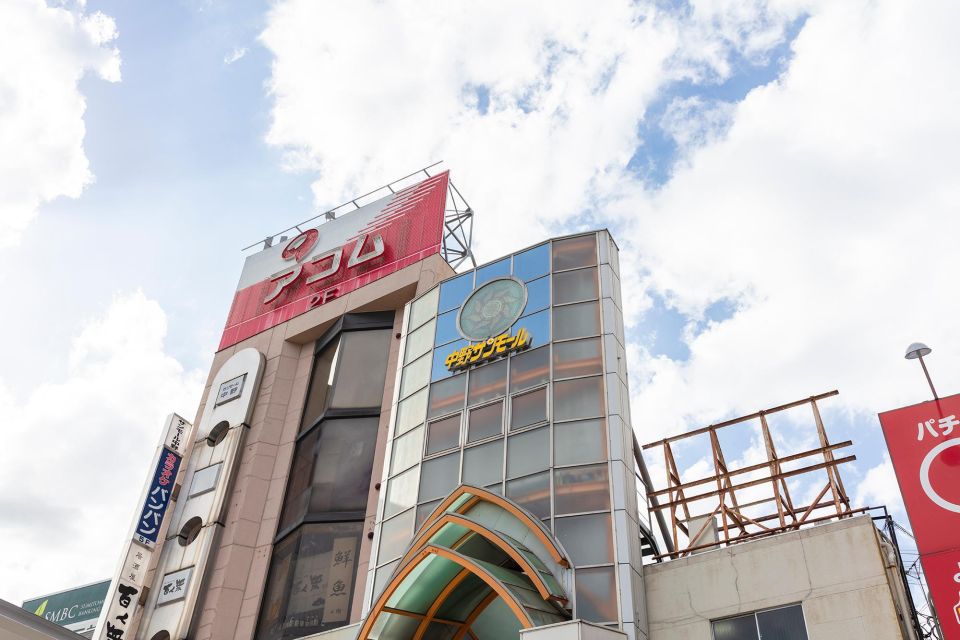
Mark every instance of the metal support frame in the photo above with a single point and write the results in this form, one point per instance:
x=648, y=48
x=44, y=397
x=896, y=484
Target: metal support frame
x=888, y=528
x=741, y=520
x=457, y=219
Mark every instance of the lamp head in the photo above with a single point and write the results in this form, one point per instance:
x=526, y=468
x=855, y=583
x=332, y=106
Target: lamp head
x=917, y=350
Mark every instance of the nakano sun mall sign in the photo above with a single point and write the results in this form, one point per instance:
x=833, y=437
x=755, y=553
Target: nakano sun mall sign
x=924, y=444
x=338, y=257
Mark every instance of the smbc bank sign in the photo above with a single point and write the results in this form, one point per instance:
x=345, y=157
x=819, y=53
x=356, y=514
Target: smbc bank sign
x=76, y=609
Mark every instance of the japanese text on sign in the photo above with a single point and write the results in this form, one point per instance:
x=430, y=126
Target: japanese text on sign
x=122, y=607
x=158, y=498
x=230, y=390
x=490, y=349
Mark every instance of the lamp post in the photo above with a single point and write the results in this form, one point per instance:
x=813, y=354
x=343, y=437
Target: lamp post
x=916, y=351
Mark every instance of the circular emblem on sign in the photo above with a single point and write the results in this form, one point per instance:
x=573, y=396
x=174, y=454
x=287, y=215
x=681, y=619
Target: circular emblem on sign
x=937, y=499
x=491, y=309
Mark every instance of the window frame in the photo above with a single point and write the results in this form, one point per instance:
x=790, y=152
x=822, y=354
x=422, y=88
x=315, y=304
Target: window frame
x=756, y=619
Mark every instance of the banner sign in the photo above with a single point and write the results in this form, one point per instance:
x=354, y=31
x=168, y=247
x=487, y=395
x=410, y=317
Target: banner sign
x=158, y=498
x=76, y=609
x=175, y=439
x=924, y=445
x=121, y=616
x=339, y=256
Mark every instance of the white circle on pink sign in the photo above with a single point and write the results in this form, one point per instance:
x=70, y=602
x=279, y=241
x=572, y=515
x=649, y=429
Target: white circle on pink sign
x=925, y=475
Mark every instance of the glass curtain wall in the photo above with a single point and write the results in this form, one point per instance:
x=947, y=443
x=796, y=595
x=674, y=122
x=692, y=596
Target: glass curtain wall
x=531, y=425
x=313, y=569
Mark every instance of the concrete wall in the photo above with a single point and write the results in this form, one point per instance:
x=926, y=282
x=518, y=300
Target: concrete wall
x=837, y=571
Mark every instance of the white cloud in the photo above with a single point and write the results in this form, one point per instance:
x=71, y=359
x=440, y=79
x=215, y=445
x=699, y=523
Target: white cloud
x=83, y=445
x=44, y=52
x=879, y=487
x=236, y=54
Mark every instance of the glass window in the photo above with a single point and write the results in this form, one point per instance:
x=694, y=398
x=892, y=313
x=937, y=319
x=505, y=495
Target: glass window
x=529, y=369
x=443, y=434
x=440, y=354
x=423, y=308
x=538, y=295
x=488, y=382
x=412, y=411
x=739, y=628
x=528, y=452
x=528, y=408
x=416, y=375
x=579, y=358
x=580, y=489
x=576, y=321
x=383, y=576
x=401, y=492
x=537, y=325
x=483, y=464
x=446, y=396
x=578, y=442
x=485, y=422
x=447, y=328
x=575, y=252
x=575, y=286
x=407, y=450
x=785, y=623
x=498, y=269
x=361, y=369
x=439, y=476
x=532, y=493
x=532, y=263
x=331, y=469
x=419, y=342
x=395, y=536
x=596, y=594
x=578, y=398
x=319, y=385
x=424, y=511
x=454, y=292
x=302, y=561
x=588, y=539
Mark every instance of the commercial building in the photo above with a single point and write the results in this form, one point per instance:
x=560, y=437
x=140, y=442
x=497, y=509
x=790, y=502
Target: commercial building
x=388, y=448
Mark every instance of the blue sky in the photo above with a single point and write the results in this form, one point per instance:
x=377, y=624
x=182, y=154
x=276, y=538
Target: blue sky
x=760, y=165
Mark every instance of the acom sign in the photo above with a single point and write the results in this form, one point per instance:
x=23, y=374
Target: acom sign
x=340, y=256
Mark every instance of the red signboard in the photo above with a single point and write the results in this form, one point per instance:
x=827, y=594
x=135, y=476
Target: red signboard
x=338, y=257
x=924, y=444
x=942, y=571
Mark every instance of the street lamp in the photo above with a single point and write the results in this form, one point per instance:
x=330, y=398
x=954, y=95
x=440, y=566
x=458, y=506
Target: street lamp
x=916, y=351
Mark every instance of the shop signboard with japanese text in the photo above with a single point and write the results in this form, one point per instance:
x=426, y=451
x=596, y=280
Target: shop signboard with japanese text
x=337, y=257
x=924, y=444
x=158, y=498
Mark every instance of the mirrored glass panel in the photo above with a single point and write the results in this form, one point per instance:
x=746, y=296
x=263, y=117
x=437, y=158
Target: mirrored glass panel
x=575, y=286
x=424, y=511
x=528, y=408
x=412, y=411
x=423, y=309
x=401, y=492
x=447, y=395
x=416, y=375
x=576, y=321
x=419, y=342
x=447, y=328
x=407, y=450
x=344, y=464
x=439, y=476
x=532, y=493
x=361, y=369
x=575, y=252
x=538, y=296
x=578, y=358
x=537, y=325
x=440, y=354
x=443, y=434
x=588, y=539
x=485, y=422
x=580, y=489
x=498, y=269
x=319, y=385
x=579, y=442
x=488, y=382
x=528, y=452
x=532, y=263
x=596, y=595
x=578, y=398
x=395, y=536
x=454, y=292
x=483, y=464
x=529, y=369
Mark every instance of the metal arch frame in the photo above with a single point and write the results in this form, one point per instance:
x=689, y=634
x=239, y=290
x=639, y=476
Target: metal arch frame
x=493, y=537
x=498, y=588
x=536, y=527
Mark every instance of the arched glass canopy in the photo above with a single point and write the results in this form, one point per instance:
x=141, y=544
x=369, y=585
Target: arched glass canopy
x=479, y=568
